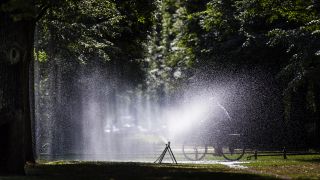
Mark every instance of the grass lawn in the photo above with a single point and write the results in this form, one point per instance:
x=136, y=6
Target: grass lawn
x=296, y=167
x=67, y=170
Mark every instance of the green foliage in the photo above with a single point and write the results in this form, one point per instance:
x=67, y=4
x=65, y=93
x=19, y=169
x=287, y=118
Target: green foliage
x=19, y=9
x=282, y=35
x=81, y=30
x=171, y=52
x=41, y=56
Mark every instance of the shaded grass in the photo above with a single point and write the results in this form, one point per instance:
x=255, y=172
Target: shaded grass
x=267, y=167
x=129, y=170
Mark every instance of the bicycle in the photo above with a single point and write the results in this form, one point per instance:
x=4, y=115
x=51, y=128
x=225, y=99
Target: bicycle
x=231, y=148
x=219, y=132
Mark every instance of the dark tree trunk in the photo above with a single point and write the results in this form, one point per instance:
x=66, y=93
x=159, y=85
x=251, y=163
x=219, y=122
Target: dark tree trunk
x=297, y=133
x=317, y=117
x=16, y=47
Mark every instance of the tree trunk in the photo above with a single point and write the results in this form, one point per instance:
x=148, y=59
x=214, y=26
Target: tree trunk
x=16, y=47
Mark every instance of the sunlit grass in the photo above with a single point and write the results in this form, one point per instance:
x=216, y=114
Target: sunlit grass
x=295, y=166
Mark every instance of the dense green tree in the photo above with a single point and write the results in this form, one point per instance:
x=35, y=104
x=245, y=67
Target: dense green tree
x=105, y=40
x=280, y=37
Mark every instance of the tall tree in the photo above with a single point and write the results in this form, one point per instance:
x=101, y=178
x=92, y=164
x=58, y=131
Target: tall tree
x=17, y=25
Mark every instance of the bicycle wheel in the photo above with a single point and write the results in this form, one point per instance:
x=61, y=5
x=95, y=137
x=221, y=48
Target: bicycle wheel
x=193, y=151
x=232, y=148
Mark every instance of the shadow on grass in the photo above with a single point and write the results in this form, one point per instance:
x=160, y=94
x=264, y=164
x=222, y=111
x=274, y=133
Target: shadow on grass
x=310, y=160
x=103, y=170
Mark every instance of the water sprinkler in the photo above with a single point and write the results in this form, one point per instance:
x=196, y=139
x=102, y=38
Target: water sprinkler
x=167, y=148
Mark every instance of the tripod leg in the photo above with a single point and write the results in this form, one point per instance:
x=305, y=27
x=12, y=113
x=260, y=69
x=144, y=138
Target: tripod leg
x=163, y=154
x=172, y=155
x=157, y=159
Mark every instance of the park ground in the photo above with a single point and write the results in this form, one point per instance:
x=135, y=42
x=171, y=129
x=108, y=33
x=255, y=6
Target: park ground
x=268, y=167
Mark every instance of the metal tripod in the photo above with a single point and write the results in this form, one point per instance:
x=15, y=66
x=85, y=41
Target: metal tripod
x=168, y=148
